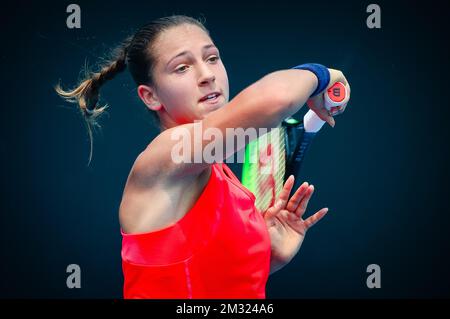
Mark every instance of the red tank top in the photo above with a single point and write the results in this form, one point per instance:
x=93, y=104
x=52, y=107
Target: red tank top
x=220, y=249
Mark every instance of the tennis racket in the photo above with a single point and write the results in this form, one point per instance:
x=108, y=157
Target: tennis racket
x=270, y=159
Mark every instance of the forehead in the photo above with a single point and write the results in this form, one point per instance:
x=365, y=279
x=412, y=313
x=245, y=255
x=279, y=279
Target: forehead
x=179, y=38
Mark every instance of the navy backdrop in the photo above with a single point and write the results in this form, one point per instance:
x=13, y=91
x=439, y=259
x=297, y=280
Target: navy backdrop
x=386, y=159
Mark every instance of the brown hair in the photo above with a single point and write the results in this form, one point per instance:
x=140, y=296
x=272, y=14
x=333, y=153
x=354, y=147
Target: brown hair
x=136, y=52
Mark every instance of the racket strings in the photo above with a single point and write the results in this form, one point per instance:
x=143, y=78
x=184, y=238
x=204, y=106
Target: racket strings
x=270, y=169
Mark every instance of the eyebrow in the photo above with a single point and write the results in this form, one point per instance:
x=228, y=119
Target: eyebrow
x=206, y=47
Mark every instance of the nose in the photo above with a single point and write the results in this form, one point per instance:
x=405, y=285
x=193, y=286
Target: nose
x=206, y=76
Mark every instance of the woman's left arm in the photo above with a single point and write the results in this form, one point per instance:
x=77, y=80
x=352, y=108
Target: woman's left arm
x=285, y=224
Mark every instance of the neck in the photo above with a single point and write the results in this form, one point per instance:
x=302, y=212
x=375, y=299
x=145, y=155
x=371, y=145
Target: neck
x=166, y=121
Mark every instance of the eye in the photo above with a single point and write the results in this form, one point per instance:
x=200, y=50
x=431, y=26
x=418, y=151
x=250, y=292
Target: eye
x=213, y=58
x=181, y=69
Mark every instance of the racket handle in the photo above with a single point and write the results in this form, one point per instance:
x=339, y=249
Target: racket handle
x=296, y=163
x=311, y=122
x=335, y=96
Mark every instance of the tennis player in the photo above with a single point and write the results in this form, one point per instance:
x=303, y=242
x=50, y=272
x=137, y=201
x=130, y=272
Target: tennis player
x=191, y=229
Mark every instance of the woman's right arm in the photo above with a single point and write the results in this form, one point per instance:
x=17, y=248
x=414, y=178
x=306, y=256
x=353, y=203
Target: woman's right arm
x=262, y=105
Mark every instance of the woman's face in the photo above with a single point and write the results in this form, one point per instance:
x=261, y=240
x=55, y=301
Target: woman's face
x=187, y=68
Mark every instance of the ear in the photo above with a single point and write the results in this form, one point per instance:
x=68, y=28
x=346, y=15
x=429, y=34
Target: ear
x=149, y=97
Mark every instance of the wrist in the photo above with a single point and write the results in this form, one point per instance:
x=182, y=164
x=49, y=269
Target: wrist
x=321, y=72
x=276, y=263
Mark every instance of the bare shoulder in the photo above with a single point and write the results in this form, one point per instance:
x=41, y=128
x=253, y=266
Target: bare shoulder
x=153, y=199
x=161, y=157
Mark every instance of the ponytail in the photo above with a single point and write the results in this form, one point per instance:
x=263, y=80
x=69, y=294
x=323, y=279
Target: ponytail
x=86, y=94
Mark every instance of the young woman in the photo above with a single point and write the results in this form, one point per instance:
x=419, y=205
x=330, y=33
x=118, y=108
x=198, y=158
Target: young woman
x=190, y=229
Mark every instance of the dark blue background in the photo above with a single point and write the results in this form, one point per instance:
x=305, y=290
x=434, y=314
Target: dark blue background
x=382, y=170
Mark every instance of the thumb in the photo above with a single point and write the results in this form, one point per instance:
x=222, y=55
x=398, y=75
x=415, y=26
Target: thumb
x=330, y=121
x=325, y=115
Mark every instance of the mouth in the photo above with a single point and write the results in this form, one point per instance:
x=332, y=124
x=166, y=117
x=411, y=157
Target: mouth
x=211, y=98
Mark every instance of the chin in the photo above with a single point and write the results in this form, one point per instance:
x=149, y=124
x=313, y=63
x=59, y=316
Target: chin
x=208, y=112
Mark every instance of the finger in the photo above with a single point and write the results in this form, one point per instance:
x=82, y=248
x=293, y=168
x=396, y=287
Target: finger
x=304, y=203
x=284, y=194
x=325, y=115
x=317, y=104
x=336, y=76
x=315, y=218
x=329, y=119
x=282, y=199
x=341, y=78
x=270, y=212
x=344, y=79
x=297, y=197
x=336, y=110
x=343, y=107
